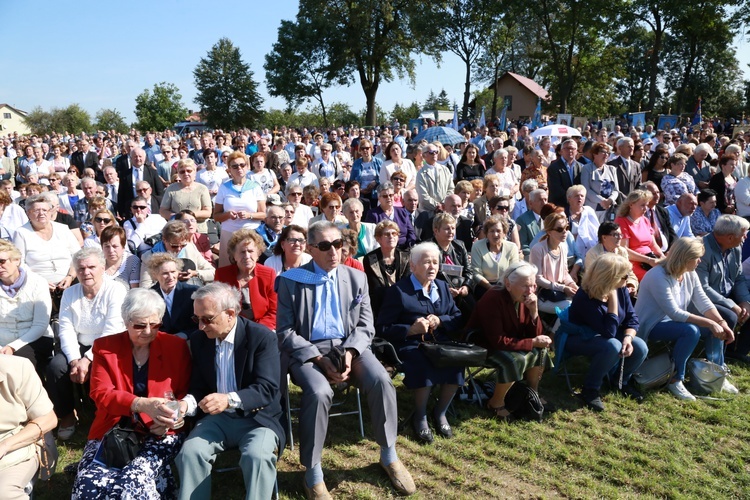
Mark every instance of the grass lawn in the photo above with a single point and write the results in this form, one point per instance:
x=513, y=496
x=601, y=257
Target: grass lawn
x=662, y=448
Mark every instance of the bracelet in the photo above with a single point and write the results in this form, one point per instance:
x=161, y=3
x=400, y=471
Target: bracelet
x=41, y=432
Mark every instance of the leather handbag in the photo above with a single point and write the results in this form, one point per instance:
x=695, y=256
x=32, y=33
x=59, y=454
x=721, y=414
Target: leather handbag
x=122, y=443
x=706, y=377
x=451, y=354
x=655, y=372
x=47, y=454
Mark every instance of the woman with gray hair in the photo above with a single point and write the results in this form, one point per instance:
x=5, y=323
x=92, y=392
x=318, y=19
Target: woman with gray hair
x=416, y=308
x=388, y=211
x=508, y=319
x=352, y=210
x=125, y=383
x=88, y=310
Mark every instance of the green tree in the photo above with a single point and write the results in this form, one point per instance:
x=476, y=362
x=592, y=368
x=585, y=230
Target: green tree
x=463, y=27
x=227, y=93
x=405, y=113
x=161, y=109
x=371, y=38
x=297, y=68
x=38, y=120
x=72, y=118
x=108, y=119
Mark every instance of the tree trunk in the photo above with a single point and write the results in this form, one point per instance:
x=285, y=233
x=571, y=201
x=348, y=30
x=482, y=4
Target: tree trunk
x=687, y=74
x=370, y=92
x=654, y=63
x=319, y=98
x=467, y=90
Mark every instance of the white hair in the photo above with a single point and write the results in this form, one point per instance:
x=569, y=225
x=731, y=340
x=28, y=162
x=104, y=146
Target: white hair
x=422, y=249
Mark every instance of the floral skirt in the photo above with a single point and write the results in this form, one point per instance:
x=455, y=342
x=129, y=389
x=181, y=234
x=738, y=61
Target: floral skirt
x=147, y=476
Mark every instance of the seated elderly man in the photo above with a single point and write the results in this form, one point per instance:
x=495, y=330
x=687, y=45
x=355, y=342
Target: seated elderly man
x=529, y=224
x=270, y=229
x=325, y=327
x=720, y=273
x=679, y=215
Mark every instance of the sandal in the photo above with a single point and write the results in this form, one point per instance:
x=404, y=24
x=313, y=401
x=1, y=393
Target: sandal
x=500, y=412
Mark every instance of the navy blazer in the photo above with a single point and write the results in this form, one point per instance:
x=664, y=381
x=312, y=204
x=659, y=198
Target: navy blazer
x=403, y=305
x=406, y=237
x=558, y=181
x=180, y=320
x=257, y=371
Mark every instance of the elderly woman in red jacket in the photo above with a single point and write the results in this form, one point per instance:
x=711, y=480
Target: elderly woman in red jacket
x=253, y=280
x=134, y=374
x=512, y=332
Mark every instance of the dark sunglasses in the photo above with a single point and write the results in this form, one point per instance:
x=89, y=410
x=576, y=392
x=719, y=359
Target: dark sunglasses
x=205, y=320
x=560, y=229
x=138, y=207
x=142, y=326
x=324, y=246
x=502, y=208
x=237, y=166
x=102, y=220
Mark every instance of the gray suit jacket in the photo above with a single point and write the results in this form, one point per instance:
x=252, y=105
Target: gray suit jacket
x=712, y=269
x=296, y=309
x=628, y=177
x=528, y=227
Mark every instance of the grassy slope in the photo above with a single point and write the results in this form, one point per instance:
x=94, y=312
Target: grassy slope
x=663, y=448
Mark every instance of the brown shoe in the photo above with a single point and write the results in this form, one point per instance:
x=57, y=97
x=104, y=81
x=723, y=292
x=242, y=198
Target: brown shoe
x=400, y=478
x=317, y=492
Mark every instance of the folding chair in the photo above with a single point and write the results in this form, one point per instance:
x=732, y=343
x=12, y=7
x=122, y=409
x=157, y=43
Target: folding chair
x=345, y=392
x=473, y=371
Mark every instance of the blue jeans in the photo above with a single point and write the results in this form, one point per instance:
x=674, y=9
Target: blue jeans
x=685, y=337
x=605, y=357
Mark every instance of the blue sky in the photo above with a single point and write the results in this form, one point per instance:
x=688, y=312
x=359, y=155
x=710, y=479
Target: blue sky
x=103, y=54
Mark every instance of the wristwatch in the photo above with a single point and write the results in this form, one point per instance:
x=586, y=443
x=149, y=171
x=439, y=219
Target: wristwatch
x=234, y=401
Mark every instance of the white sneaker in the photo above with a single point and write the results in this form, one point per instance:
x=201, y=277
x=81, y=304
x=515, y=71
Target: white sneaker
x=678, y=389
x=729, y=388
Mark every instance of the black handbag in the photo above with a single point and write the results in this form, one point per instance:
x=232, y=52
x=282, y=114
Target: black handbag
x=451, y=354
x=122, y=443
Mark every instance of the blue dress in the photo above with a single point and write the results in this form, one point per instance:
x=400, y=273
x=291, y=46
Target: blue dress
x=402, y=306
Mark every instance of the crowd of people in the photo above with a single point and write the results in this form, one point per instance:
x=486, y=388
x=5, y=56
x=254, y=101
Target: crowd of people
x=185, y=281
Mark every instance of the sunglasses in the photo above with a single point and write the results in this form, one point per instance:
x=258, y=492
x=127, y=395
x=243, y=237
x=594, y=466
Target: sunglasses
x=102, y=220
x=324, y=246
x=333, y=207
x=616, y=236
x=295, y=194
x=142, y=190
x=386, y=195
x=205, y=320
x=142, y=326
x=238, y=166
x=431, y=152
x=138, y=207
x=560, y=229
x=502, y=208
x=295, y=241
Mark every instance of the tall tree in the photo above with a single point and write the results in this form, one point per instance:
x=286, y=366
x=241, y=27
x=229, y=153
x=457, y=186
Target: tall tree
x=372, y=38
x=39, y=121
x=108, y=119
x=463, y=28
x=297, y=68
x=161, y=109
x=227, y=93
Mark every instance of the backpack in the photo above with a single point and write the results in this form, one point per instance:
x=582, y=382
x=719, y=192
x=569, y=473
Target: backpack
x=146, y=245
x=523, y=403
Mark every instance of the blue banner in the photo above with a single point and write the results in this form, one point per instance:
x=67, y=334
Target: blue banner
x=666, y=122
x=638, y=119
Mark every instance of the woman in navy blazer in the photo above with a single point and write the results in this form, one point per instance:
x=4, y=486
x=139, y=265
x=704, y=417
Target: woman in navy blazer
x=386, y=211
x=254, y=281
x=418, y=308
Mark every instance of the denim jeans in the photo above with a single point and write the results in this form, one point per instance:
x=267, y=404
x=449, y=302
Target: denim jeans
x=605, y=357
x=685, y=337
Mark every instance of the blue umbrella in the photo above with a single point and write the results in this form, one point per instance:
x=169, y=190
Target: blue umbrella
x=443, y=134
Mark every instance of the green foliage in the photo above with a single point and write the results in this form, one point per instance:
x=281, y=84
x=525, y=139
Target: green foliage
x=405, y=113
x=108, y=119
x=160, y=109
x=227, y=93
x=73, y=119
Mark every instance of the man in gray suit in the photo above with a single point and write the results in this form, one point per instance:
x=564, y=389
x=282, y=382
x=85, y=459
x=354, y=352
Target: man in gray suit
x=720, y=272
x=529, y=224
x=324, y=308
x=628, y=171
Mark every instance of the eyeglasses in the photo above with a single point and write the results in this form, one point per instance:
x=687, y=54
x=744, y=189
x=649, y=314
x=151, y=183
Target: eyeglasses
x=142, y=326
x=183, y=172
x=276, y=217
x=324, y=246
x=334, y=207
x=391, y=234
x=295, y=241
x=102, y=220
x=616, y=236
x=176, y=245
x=431, y=152
x=205, y=320
x=502, y=208
x=138, y=207
x=560, y=229
x=386, y=195
x=365, y=148
x=237, y=166
x=664, y=157
x=397, y=179
x=295, y=194
x=39, y=211
x=143, y=190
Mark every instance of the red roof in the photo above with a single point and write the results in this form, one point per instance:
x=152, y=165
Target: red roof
x=530, y=84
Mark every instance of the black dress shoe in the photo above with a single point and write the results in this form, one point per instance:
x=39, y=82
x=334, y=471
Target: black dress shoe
x=592, y=399
x=423, y=435
x=631, y=392
x=442, y=429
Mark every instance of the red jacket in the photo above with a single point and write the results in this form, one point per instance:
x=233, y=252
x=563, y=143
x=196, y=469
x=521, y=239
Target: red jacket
x=262, y=295
x=169, y=366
